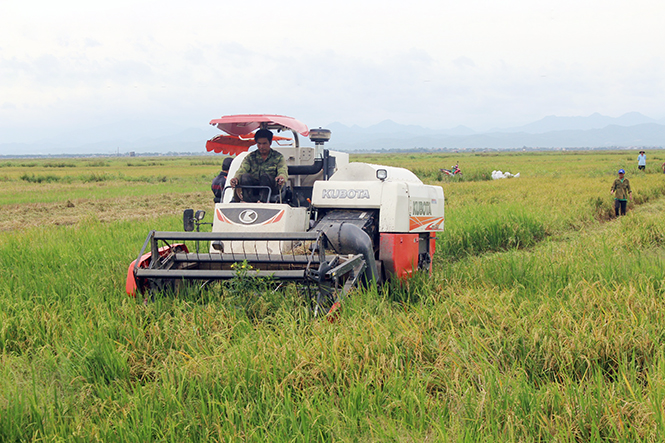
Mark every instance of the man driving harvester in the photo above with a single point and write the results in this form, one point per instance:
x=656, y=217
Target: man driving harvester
x=263, y=167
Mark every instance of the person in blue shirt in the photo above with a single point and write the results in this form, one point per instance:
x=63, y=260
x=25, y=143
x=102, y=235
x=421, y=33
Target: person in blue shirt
x=642, y=161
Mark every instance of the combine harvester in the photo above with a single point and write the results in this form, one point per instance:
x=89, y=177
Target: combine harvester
x=334, y=225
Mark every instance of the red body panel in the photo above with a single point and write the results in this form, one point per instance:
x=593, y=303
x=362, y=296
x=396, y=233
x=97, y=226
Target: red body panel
x=399, y=254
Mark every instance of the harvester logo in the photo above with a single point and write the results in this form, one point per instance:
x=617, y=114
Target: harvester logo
x=422, y=208
x=345, y=193
x=248, y=216
x=244, y=216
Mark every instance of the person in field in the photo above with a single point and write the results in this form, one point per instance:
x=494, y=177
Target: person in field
x=642, y=161
x=622, y=193
x=219, y=182
x=263, y=167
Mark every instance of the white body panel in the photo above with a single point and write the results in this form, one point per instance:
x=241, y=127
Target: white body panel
x=426, y=208
x=405, y=204
x=367, y=172
x=251, y=218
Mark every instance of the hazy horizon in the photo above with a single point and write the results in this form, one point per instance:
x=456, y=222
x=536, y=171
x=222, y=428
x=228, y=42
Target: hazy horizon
x=70, y=66
x=594, y=131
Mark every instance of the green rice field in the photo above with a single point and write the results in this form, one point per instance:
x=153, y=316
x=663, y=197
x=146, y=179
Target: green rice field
x=543, y=321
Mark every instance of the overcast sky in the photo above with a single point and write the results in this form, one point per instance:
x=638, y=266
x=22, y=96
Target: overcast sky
x=439, y=64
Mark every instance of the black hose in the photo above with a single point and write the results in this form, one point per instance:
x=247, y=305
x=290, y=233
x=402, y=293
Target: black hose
x=347, y=238
x=306, y=169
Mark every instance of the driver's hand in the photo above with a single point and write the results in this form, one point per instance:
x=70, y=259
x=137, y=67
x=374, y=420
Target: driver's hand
x=233, y=182
x=280, y=180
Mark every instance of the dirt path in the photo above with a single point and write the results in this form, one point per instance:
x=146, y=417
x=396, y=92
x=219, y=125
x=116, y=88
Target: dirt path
x=13, y=217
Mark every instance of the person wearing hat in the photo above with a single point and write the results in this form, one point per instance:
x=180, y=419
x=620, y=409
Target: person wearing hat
x=642, y=161
x=622, y=193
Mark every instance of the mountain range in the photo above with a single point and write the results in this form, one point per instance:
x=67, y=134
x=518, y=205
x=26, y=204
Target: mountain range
x=594, y=131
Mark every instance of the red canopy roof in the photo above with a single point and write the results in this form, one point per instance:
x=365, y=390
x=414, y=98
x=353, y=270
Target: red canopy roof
x=244, y=124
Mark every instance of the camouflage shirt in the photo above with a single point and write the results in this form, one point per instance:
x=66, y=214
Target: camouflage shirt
x=621, y=189
x=254, y=165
